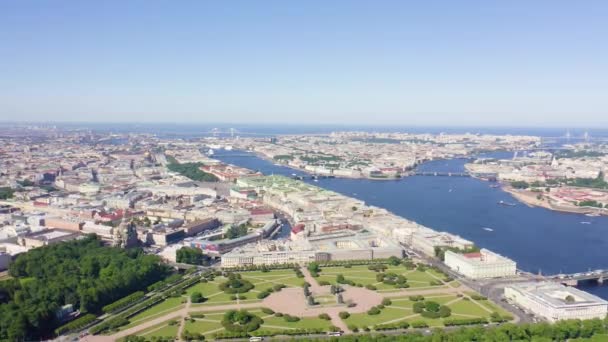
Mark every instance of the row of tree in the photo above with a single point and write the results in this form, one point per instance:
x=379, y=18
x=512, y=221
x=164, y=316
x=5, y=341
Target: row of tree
x=82, y=273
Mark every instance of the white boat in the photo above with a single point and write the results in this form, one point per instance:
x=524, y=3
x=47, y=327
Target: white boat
x=450, y=190
x=501, y=202
x=592, y=214
x=228, y=148
x=488, y=229
x=210, y=152
x=585, y=222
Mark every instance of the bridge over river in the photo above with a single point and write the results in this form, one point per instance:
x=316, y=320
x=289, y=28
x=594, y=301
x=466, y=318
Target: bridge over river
x=441, y=174
x=573, y=279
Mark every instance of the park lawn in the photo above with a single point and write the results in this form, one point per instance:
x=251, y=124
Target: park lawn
x=293, y=282
x=268, y=275
x=264, y=329
x=341, y=269
x=432, y=322
x=151, y=330
x=468, y=307
x=205, y=289
x=220, y=297
x=168, y=305
x=204, y=325
x=494, y=307
x=443, y=299
x=419, y=276
x=454, y=283
x=402, y=301
x=328, y=278
x=389, y=313
x=303, y=323
x=437, y=274
x=166, y=331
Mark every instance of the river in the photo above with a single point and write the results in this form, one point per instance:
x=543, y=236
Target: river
x=540, y=240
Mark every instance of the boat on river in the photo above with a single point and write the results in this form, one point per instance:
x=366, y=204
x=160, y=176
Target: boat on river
x=509, y=204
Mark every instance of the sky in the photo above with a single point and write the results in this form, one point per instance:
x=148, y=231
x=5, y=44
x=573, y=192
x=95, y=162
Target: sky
x=438, y=63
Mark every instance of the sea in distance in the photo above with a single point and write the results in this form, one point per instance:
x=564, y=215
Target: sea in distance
x=540, y=240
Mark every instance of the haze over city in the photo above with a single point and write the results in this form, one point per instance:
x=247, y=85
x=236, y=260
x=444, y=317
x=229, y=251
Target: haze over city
x=353, y=171
x=516, y=63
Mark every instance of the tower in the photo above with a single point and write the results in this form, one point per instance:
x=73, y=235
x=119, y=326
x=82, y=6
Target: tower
x=125, y=235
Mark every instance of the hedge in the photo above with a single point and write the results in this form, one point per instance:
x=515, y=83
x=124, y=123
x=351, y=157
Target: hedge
x=76, y=324
x=466, y=321
x=125, y=301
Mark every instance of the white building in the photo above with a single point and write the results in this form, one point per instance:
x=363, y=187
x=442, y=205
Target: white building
x=485, y=264
x=555, y=302
x=425, y=240
x=269, y=253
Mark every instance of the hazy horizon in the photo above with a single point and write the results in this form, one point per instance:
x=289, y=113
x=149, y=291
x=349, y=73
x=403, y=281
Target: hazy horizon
x=381, y=63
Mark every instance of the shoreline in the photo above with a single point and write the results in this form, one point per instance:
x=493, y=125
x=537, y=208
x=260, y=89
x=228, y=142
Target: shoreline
x=529, y=198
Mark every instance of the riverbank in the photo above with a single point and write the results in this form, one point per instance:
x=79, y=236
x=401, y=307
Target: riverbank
x=331, y=174
x=530, y=198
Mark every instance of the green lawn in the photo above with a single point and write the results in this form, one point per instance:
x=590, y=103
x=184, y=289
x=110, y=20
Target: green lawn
x=159, y=330
x=204, y=326
x=166, y=331
x=168, y=305
x=265, y=280
x=361, y=275
x=388, y=314
x=468, y=307
x=402, y=307
x=303, y=323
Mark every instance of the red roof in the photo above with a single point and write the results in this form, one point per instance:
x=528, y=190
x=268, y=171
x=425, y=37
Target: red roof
x=472, y=255
x=260, y=211
x=297, y=228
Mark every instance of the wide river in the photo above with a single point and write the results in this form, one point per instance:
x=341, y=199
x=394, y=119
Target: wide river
x=540, y=240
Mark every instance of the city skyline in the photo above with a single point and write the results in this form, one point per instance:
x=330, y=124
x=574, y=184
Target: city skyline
x=388, y=63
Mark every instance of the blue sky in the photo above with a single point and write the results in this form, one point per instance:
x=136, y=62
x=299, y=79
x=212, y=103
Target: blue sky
x=449, y=63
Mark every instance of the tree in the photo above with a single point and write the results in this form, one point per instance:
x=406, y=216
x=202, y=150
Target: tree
x=393, y=260
x=6, y=193
x=192, y=256
x=313, y=267
x=445, y=311
x=197, y=297
x=82, y=272
x=520, y=185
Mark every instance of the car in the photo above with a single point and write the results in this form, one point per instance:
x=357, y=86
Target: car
x=335, y=333
x=256, y=339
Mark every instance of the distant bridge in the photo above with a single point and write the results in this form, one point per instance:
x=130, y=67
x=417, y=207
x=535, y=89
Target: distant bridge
x=235, y=155
x=573, y=279
x=441, y=174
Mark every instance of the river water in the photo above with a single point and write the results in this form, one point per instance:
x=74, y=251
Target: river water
x=540, y=240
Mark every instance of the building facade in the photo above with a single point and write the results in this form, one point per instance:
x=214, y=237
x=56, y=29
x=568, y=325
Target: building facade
x=555, y=302
x=485, y=264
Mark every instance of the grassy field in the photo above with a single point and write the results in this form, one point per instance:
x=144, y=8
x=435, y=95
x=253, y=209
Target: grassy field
x=159, y=330
x=304, y=323
x=388, y=314
x=362, y=275
x=400, y=310
x=166, y=331
x=204, y=326
x=262, y=281
x=168, y=305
